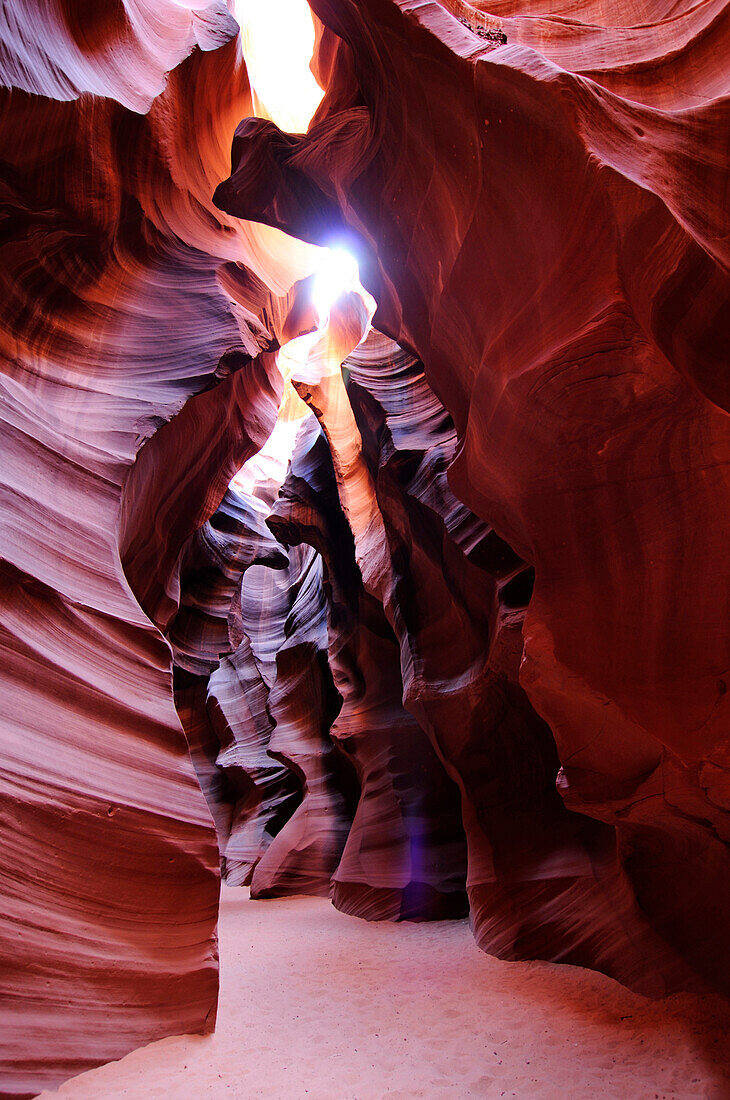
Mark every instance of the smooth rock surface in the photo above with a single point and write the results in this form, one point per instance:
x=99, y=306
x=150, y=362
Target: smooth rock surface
x=545, y=224
x=116, y=312
x=538, y=198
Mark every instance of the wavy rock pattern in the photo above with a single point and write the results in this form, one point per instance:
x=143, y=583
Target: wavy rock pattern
x=220, y=695
x=258, y=794
x=543, y=882
x=303, y=703
x=539, y=201
x=404, y=856
x=284, y=615
x=545, y=224
x=255, y=694
x=115, y=314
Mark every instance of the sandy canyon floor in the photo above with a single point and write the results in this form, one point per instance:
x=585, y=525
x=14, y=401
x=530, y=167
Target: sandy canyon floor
x=317, y=1004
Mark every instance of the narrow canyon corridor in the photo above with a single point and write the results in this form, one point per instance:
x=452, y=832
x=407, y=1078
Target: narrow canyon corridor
x=364, y=549
x=317, y=1004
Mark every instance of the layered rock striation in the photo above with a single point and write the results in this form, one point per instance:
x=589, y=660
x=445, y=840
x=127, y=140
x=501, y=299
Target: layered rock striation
x=544, y=222
x=472, y=654
x=404, y=856
x=121, y=327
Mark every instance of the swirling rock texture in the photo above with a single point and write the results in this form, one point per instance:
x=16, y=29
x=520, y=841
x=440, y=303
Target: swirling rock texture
x=542, y=881
x=538, y=198
x=260, y=794
x=283, y=614
x=544, y=222
x=220, y=695
x=118, y=308
x=303, y=703
x=255, y=694
x=404, y=856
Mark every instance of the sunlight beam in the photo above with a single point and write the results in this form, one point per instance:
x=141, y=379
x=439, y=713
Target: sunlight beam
x=277, y=40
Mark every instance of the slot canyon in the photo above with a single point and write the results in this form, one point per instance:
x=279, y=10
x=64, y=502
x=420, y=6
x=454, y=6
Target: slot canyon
x=365, y=549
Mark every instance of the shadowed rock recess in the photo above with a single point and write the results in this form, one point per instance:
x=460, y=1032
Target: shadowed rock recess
x=468, y=653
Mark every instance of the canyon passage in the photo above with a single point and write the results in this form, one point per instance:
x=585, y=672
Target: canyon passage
x=364, y=548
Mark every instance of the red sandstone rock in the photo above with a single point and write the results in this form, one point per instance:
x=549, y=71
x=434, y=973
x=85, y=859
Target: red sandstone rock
x=542, y=882
x=404, y=856
x=255, y=696
x=545, y=224
x=219, y=693
x=284, y=615
x=113, y=317
x=306, y=851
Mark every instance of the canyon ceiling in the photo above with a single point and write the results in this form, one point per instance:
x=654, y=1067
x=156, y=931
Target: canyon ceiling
x=467, y=651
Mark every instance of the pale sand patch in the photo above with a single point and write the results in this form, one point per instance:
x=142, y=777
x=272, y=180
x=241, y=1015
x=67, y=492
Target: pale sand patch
x=319, y=1005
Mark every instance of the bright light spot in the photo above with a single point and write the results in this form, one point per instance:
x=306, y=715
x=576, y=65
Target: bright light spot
x=277, y=40
x=291, y=359
x=269, y=466
x=337, y=273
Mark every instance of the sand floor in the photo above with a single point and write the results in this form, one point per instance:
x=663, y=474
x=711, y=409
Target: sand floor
x=316, y=1004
